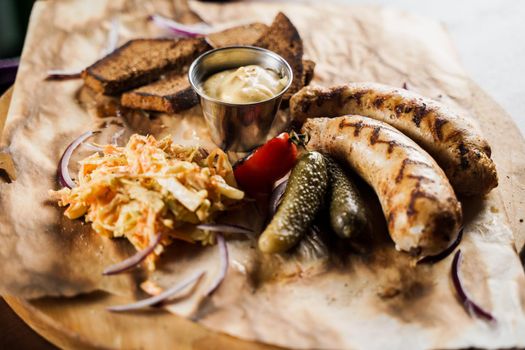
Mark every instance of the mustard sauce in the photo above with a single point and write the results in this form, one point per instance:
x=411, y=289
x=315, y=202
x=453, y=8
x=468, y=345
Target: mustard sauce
x=245, y=84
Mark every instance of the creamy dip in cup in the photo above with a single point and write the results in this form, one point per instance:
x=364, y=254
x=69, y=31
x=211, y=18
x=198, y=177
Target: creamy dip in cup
x=239, y=102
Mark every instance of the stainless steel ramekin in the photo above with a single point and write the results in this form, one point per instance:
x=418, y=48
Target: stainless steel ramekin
x=236, y=126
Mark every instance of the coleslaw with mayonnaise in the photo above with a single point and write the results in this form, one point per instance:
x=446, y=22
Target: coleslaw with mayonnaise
x=151, y=187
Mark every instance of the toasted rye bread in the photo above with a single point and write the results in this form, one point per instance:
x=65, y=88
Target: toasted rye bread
x=283, y=38
x=241, y=35
x=308, y=71
x=141, y=61
x=170, y=94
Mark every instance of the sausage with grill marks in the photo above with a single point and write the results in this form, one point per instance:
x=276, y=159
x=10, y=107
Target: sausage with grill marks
x=419, y=204
x=455, y=141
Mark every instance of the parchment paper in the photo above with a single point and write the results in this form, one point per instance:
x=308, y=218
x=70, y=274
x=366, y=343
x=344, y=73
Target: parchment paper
x=374, y=300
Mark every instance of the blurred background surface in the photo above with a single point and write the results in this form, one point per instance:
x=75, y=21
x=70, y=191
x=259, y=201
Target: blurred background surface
x=14, y=16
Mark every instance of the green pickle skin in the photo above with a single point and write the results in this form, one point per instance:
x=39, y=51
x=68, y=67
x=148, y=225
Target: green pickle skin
x=301, y=201
x=347, y=209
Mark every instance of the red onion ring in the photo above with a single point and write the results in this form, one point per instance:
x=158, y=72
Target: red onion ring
x=470, y=306
x=185, y=30
x=276, y=198
x=116, y=136
x=62, y=74
x=93, y=147
x=157, y=299
x=223, y=254
x=225, y=228
x=432, y=259
x=8, y=70
x=133, y=260
x=63, y=172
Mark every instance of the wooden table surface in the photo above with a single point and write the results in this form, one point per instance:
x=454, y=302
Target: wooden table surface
x=499, y=20
x=15, y=334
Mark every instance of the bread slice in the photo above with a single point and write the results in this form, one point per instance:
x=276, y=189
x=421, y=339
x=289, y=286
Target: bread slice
x=308, y=71
x=140, y=62
x=241, y=35
x=283, y=38
x=170, y=94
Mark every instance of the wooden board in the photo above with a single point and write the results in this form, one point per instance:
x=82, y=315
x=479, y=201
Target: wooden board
x=83, y=323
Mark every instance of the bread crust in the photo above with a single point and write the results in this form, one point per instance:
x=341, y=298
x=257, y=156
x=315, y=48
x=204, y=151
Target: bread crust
x=170, y=94
x=283, y=38
x=141, y=61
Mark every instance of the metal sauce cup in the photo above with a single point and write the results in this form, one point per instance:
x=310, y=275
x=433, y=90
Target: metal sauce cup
x=238, y=126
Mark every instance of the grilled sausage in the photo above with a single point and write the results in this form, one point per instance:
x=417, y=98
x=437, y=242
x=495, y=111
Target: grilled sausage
x=419, y=204
x=452, y=139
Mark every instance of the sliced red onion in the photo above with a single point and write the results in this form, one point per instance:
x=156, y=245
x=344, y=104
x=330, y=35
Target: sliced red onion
x=432, y=259
x=188, y=30
x=63, y=74
x=157, y=299
x=116, y=136
x=63, y=171
x=204, y=153
x=470, y=306
x=224, y=261
x=133, y=260
x=8, y=70
x=276, y=198
x=93, y=147
x=112, y=37
x=225, y=228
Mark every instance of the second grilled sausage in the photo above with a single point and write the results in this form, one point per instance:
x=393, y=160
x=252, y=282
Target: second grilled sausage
x=453, y=140
x=419, y=204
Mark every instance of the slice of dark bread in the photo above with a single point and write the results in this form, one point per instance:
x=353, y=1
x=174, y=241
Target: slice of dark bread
x=171, y=94
x=308, y=71
x=283, y=38
x=140, y=62
x=242, y=35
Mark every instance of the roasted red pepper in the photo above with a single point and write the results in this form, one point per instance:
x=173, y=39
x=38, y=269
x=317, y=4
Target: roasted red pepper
x=257, y=173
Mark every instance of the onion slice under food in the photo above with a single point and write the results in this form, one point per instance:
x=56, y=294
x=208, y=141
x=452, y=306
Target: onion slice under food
x=188, y=30
x=224, y=263
x=62, y=74
x=432, y=259
x=276, y=198
x=133, y=260
x=93, y=147
x=470, y=306
x=225, y=228
x=63, y=172
x=157, y=299
x=116, y=136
